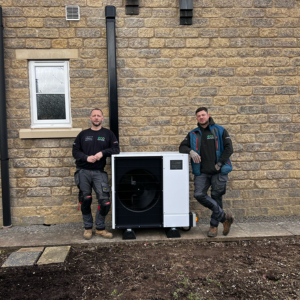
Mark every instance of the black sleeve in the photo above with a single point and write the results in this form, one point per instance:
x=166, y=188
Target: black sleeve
x=113, y=146
x=77, y=149
x=185, y=146
x=228, y=149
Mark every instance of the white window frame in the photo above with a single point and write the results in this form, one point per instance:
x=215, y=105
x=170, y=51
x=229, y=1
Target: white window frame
x=35, y=123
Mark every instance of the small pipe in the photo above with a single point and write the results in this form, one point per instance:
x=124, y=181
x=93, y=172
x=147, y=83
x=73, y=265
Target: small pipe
x=3, y=137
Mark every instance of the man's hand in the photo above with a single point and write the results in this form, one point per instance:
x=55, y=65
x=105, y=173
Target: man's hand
x=91, y=159
x=218, y=166
x=99, y=155
x=195, y=156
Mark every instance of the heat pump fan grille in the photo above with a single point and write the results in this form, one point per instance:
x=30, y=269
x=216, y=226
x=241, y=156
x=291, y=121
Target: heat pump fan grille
x=138, y=190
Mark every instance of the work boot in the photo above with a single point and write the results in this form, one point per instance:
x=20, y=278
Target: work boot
x=88, y=234
x=212, y=232
x=227, y=223
x=104, y=233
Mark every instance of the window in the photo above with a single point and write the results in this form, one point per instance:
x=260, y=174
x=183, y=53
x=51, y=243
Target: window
x=50, y=94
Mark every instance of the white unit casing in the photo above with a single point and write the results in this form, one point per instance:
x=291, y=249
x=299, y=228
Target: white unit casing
x=175, y=187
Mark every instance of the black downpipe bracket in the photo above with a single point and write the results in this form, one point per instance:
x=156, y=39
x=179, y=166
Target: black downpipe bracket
x=110, y=14
x=3, y=137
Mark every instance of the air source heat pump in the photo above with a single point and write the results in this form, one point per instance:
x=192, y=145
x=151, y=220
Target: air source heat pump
x=150, y=190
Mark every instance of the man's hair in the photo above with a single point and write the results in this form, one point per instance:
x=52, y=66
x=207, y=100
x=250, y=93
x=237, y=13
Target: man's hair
x=96, y=109
x=200, y=109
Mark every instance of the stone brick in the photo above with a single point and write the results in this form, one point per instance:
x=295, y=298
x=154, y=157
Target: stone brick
x=34, y=22
x=277, y=174
x=224, y=3
x=262, y=23
x=254, y=13
x=287, y=90
x=262, y=42
x=27, y=182
x=242, y=184
x=48, y=22
x=36, y=172
x=290, y=128
x=249, y=109
x=285, y=3
x=208, y=91
x=263, y=3
x=193, y=43
x=285, y=155
x=38, y=43
x=39, y=12
x=61, y=191
x=280, y=118
x=266, y=184
x=263, y=90
x=219, y=43
x=50, y=181
x=38, y=192
x=48, y=33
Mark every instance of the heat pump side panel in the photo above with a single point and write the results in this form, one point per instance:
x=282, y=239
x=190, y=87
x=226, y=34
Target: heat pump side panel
x=113, y=183
x=176, y=190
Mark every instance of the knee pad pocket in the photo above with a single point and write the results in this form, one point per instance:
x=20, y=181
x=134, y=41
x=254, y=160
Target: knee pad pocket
x=86, y=205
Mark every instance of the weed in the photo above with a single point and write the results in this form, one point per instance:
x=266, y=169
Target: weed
x=184, y=282
x=114, y=292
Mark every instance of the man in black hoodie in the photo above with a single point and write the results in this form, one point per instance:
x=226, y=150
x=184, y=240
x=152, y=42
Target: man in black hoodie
x=90, y=149
x=210, y=147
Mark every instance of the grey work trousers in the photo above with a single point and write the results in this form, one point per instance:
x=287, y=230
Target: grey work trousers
x=98, y=180
x=214, y=203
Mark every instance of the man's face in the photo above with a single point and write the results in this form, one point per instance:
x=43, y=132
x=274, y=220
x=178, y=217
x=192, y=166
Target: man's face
x=96, y=118
x=202, y=117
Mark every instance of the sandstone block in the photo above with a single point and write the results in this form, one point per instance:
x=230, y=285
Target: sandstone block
x=266, y=184
x=38, y=192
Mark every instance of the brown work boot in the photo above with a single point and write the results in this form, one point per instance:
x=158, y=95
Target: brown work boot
x=88, y=234
x=227, y=223
x=212, y=232
x=104, y=233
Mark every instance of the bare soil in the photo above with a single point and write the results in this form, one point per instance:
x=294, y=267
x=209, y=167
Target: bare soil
x=256, y=269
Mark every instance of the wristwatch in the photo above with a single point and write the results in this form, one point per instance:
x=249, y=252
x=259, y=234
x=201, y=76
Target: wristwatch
x=219, y=164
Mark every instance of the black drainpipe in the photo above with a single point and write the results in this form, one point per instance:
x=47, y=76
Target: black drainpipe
x=110, y=14
x=3, y=137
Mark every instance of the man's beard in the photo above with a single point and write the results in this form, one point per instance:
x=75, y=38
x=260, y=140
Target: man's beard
x=203, y=124
x=97, y=125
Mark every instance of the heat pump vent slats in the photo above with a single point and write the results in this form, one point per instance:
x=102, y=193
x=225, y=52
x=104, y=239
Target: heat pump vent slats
x=72, y=13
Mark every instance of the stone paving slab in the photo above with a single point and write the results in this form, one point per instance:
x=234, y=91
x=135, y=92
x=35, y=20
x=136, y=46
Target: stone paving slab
x=264, y=230
x=293, y=228
x=23, y=257
x=33, y=249
x=53, y=255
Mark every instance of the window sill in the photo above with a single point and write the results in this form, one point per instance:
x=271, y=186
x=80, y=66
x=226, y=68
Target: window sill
x=48, y=133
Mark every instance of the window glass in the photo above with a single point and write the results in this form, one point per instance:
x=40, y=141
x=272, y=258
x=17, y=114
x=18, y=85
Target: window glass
x=49, y=91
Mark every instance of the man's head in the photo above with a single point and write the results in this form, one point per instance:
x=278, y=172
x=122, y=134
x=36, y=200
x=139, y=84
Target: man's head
x=96, y=117
x=202, y=116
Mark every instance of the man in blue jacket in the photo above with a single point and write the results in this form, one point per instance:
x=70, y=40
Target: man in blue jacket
x=210, y=147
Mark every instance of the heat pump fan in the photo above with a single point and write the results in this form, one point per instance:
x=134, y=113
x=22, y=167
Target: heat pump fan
x=150, y=190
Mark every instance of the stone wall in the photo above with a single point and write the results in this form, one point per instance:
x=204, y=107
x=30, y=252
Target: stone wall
x=240, y=58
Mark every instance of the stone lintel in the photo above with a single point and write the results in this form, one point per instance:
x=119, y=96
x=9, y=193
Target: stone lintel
x=46, y=53
x=48, y=133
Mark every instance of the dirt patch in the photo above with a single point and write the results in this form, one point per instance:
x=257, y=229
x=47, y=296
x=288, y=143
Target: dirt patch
x=265, y=269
